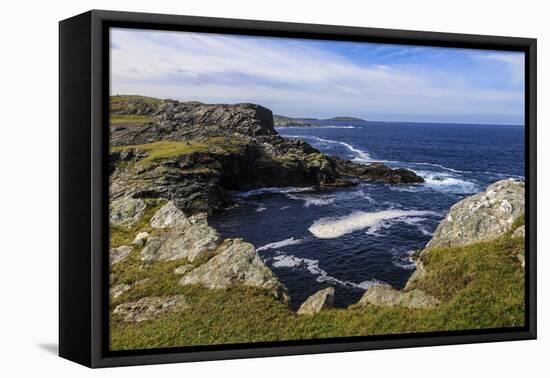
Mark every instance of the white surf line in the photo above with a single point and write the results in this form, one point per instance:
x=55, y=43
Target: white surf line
x=329, y=228
x=280, y=244
x=312, y=266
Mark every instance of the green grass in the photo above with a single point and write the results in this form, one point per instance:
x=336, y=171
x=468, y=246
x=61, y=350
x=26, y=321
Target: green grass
x=169, y=149
x=165, y=149
x=117, y=119
x=480, y=286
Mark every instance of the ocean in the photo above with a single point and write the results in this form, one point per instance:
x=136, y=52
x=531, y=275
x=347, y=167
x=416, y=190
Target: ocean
x=352, y=238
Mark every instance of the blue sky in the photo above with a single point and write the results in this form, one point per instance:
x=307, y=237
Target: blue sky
x=322, y=79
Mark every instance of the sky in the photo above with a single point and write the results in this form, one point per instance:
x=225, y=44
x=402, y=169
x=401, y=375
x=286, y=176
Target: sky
x=322, y=79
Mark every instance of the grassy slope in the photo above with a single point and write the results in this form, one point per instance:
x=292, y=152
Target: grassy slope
x=480, y=285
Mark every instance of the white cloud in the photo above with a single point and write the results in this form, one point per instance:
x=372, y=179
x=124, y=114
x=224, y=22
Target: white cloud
x=294, y=78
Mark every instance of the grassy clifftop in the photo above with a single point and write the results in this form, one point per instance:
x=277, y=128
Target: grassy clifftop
x=480, y=285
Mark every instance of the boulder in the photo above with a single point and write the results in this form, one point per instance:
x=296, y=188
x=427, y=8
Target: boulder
x=183, y=241
x=483, y=216
x=236, y=263
x=125, y=212
x=519, y=232
x=122, y=288
x=317, y=302
x=169, y=216
x=140, y=239
x=183, y=269
x=150, y=307
x=118, y=254
x=386, y=296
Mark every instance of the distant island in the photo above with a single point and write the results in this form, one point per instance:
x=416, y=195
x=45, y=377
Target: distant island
x=284, y=121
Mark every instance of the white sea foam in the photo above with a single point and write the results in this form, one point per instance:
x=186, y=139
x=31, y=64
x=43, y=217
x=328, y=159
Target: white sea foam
x=313, y=199
x=445, y=182
x=360, y=155
x=271, y=190
x=280, y=244
x=328, y=228
x=312, y=266
x=316, y=127
x=406, y=261
x=261, y=209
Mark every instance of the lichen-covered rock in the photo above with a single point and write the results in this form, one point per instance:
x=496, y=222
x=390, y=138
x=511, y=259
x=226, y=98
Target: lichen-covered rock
x=236, y=263
x=126, y=211
x=483, y=216
x=150, y=307
x=119, y=289
x=317, y=302
x=183, y=269
x=169, y=216
x=519, y=232
x=179, y=242
x=140, y=239
x=119, y=253
x=123, y=288
x=386, y=296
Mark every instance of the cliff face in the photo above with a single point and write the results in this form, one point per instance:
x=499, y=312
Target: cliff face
x=191, y=153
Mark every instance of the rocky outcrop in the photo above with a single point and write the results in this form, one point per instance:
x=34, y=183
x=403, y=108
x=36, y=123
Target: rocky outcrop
x=519, y=232
x=118, y=254
x=174, y=120
x=483, y=216
x=185, y=237
x=236, y=263
x=222, y=147
x=386, y=296
x=150, y=307
x=125, y=212
x=377, y=172
x=320, y=300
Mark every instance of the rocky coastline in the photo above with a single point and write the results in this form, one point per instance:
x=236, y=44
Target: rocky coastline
x=172, y=165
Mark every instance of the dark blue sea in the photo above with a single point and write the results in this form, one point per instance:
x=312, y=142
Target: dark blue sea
x=354, y=237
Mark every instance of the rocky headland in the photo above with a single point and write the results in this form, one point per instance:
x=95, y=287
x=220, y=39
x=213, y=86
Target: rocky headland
x=192, y=153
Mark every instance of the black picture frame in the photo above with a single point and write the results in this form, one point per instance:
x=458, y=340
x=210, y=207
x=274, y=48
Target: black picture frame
x=83, y=181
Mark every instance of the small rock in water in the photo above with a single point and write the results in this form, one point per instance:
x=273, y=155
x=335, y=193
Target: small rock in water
x=317, y=302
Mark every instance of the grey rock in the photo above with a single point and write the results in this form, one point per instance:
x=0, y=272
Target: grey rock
x=119, y=253
x=150, y=307
x=183, y=269
x=483, y=216
x=519, y=232
x=123, y=288
x=126, y=211
x=386, y=296
x=183, y=241
x=236, y=263
x=320, y=300
x=521, y=259
x=119, y=289
x=169, y=216
x=140, y=239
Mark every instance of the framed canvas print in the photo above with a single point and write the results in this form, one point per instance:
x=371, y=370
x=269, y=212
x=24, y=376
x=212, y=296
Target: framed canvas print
x=234, y=188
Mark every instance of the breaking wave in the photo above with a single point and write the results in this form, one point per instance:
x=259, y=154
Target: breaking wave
x=280, y=244
x=312, y=266
x=272, y=190
x=329, y=228
x=445, y=182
